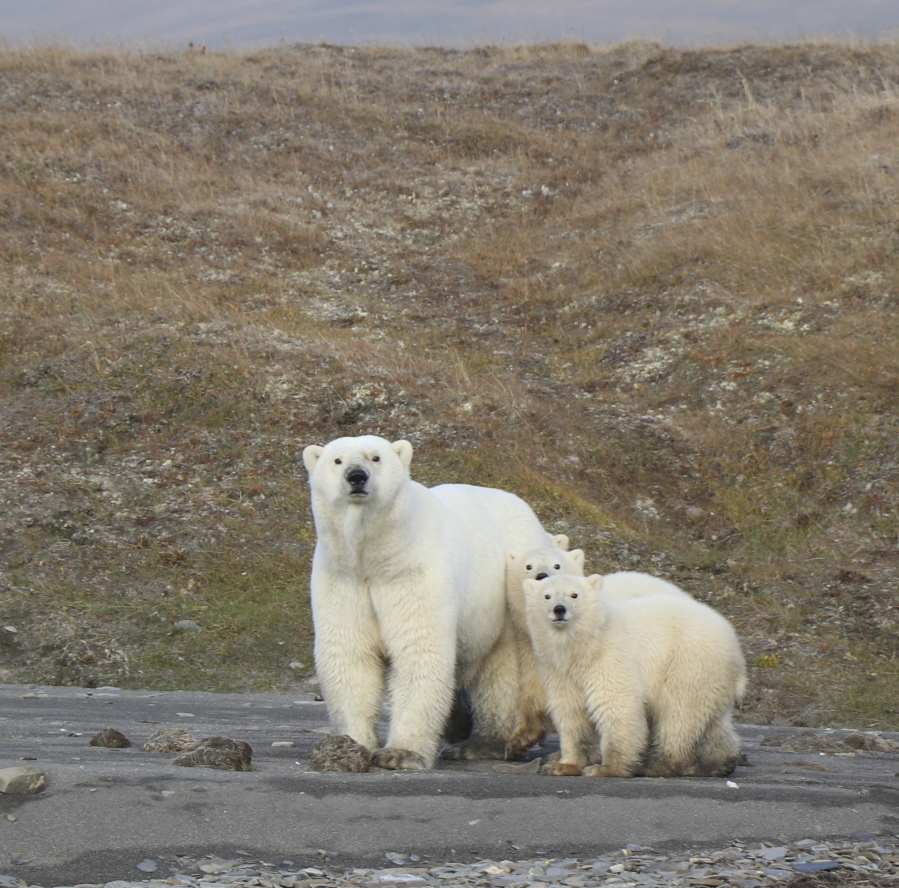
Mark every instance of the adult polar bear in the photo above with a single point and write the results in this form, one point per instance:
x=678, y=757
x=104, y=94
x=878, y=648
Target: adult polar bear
x=408, y=593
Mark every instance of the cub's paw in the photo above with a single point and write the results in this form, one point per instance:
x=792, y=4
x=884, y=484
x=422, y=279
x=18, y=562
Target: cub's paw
x=521, y=742
x=395, y=759
x=474, y=750
x=603, y=771
x=561, y=769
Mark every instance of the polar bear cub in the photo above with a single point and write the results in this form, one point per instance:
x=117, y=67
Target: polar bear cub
x=655, y=675
x=539, y=564
x=408, y=600
x=536, y=564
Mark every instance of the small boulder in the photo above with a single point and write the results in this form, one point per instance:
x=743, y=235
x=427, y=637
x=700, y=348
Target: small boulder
x=111, y=738
x=340, y=752
x=221, y=753
x=170, y=740
x=22, y=779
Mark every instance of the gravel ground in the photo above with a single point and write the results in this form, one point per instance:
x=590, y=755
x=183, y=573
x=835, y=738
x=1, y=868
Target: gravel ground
x=870, y=861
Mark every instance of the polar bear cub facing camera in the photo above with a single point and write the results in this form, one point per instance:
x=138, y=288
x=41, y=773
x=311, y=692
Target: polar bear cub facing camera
x=409, y=600
x=539, y=564
x=656, y=675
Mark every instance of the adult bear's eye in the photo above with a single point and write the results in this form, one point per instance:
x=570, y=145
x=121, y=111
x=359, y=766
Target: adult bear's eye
x=338, y=462
x=557, y=567
x=529, y=567
x=376, y=459
x=546, y=597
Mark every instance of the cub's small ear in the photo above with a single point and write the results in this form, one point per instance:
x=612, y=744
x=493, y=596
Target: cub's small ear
x=311, y=455
x=595, y=582
x=530, y=586
x=403, y=449
x=561, y=541
x=577, y=556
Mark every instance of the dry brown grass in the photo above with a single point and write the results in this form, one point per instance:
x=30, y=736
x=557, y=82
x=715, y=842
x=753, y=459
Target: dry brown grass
x=654, y=291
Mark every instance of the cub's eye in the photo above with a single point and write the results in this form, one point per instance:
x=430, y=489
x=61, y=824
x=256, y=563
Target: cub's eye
x=529, y=567
x=574, y=594
x=376, y=459
x=546, y=597
x=338, y=462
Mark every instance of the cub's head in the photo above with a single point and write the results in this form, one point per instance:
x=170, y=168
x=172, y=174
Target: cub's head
x=538, y=564
x=561, y=599
x=353, y=471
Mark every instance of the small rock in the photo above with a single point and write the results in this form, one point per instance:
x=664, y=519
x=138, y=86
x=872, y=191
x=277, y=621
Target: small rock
x=217, y=865
x=869, y=741
x=220, y=753
x=187, y=624
x=110, y=738
x=147, y=866
x=339, y=752
x=22, y=779
x=531, y=767
x=816, y=866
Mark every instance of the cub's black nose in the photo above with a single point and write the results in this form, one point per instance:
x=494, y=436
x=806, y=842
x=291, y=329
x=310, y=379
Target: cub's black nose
x=559, y=610
x=542, y=575
x=357, y=477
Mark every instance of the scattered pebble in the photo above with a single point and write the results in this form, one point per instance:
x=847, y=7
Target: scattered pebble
x=873, y=861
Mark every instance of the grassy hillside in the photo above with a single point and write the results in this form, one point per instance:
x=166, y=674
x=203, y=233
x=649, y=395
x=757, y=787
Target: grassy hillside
x=653, y=291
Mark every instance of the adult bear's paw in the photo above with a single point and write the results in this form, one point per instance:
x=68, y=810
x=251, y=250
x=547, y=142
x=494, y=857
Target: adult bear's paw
x=474, y=750
x=395, y=759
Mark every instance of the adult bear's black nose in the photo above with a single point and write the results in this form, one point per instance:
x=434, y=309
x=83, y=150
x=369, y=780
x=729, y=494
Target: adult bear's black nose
x=542, y=575
x=357, y=477
x=559, y=610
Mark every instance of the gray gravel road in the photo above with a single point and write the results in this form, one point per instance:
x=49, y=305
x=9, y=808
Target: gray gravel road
x=103, y=809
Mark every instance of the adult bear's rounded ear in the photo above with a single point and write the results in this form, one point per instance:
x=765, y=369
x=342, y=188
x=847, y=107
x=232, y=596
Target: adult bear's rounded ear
x=595, y=582
x=403, y=449
x=311, y=455
x=577, y=556
x=561, y=541
x=510, y=558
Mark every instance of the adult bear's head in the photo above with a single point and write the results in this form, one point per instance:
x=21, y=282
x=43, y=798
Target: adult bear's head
x=354, y=471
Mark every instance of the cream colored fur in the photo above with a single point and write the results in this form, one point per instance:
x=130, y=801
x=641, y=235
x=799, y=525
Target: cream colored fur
x=408, y=600
x=656, y=676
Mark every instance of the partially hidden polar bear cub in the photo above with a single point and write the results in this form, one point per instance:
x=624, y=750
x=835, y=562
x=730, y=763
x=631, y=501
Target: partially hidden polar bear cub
x=408, y=599
x=539, y=564
x=656, y=675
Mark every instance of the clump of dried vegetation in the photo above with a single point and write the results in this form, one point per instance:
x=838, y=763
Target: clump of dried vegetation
x=653, y=291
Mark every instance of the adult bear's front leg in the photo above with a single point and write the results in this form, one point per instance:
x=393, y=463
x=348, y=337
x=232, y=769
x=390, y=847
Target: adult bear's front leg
x=350, y=666
x=421, y=684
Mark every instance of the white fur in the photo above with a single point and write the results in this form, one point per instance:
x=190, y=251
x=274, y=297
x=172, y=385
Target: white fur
x=632, y=584
x=408, y=598
x=538, y=563
x=655, y=675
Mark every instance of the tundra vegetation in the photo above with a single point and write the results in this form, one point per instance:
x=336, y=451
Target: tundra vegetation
x=653, y=291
